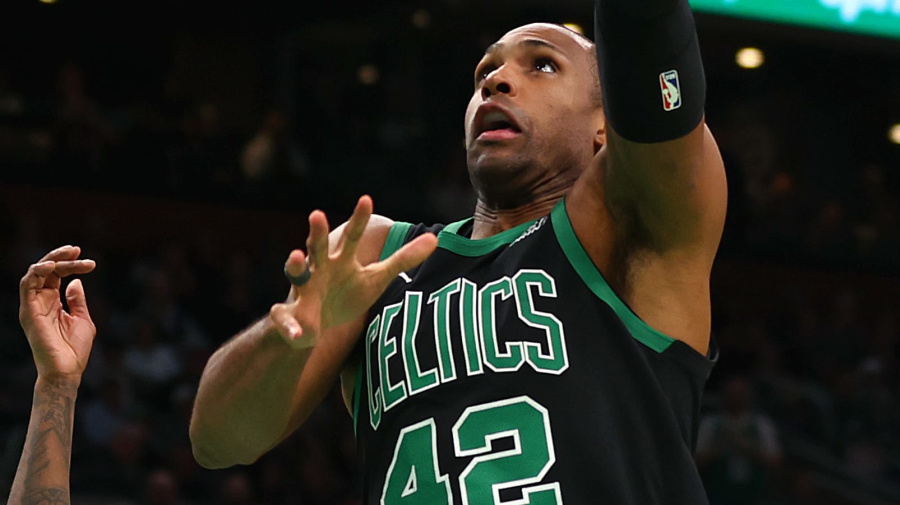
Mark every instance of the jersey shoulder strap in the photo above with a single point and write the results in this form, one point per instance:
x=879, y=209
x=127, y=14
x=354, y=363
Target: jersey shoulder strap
x=402, y=232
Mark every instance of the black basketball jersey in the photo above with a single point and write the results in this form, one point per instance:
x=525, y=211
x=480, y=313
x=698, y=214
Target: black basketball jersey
x=506, y=371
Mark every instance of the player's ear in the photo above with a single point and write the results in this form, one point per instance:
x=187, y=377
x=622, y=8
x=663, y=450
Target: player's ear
x=599, y=127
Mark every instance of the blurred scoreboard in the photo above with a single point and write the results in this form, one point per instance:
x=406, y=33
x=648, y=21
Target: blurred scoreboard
x=870, y=17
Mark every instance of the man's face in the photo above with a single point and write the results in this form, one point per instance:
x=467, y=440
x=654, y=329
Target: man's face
x=533, y=110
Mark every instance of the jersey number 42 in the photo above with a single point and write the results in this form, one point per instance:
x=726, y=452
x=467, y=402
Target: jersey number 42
x=414, y=476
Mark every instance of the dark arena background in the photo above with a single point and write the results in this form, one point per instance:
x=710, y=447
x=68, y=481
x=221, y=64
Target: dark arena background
x=182, y=145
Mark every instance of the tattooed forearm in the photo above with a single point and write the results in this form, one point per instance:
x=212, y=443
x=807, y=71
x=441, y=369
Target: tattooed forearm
x=43, y=474
x=57, y=404
x=56, y=496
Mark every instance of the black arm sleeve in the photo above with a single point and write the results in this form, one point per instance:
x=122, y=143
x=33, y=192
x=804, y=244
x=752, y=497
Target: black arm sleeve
x=654, y=88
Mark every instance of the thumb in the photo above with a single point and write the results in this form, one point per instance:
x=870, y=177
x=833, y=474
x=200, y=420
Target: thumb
x=76, y=300
x=409, y=256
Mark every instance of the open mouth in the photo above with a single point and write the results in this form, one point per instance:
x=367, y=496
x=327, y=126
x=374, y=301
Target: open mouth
x=495, y=121
x=497, y=125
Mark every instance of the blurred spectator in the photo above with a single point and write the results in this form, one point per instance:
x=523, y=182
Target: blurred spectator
x=831, y=237
x=236, y=489
x=165, y=287
x=118, y=471
x=866, y=459
x=272, y=157
x=161, y=488
x=204, y=156
x=151, y=363
x=738, y=452
x=880, y=236
x=778, y=223
x=81, y=132
x=12, y=103
x=104, y=415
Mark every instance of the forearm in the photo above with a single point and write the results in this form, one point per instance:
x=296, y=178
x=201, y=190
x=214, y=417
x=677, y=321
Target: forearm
x=245, y=398
x=651, y=73
x=43, y=473
x=663, y=180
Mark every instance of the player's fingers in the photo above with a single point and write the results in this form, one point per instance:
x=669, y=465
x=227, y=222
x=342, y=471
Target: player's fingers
x=284, y=322
x=295, y=267
x=356, y=225
x=66, y=252
x=77, y=301
x=35, y=277
x=317, y=243
x=296, y=263
x=67, y=268
x=409, y=256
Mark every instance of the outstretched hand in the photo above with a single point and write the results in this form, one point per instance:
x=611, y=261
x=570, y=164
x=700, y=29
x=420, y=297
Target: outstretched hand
x=340, y=288
x=60, y=341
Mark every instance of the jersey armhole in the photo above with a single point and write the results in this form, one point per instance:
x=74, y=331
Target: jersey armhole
x=396, y=237
x=581, y=262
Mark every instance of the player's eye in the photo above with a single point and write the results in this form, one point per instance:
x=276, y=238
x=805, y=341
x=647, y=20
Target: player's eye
x=482, y=73
x=545, y=65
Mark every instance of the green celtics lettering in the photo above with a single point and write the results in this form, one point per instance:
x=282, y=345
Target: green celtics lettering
x=394, y=333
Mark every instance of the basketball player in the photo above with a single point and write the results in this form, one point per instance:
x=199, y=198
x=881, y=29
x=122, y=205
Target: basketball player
x=552, y=348
x=61, y=344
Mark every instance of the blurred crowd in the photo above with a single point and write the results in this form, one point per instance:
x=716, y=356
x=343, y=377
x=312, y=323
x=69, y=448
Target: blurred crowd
x=802, y=408
x=804, y=404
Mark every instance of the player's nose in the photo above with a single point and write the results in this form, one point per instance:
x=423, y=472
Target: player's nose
x=498, y=82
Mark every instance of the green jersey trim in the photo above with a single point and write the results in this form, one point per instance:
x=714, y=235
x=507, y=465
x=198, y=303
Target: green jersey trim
x=594, y=280
x=455, y=226
x=356, y=389
x=449, y=239
x=395, y=239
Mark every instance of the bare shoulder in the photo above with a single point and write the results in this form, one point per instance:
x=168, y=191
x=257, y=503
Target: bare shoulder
x=372, y=241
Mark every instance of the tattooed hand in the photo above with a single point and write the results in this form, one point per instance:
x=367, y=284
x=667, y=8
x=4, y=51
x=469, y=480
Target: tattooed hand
x=60, y=341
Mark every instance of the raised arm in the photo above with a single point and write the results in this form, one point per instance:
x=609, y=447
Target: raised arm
x=263, y=383
x=60, y=344
x=661, y=176
x=651, y=210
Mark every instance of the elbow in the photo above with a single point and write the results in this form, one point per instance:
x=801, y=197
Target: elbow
x=212, y=457
x=206, y=458
x=204, y=450
x=212, y=453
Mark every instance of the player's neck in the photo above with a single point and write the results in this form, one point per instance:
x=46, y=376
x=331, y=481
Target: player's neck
x=491, y=221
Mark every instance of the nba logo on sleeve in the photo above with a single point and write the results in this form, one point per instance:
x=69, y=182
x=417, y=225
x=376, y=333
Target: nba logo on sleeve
x=671, y=90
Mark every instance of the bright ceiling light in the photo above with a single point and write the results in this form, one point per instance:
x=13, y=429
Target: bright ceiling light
x=750, y=57
x=575, y=27
x=48, y=1
x=894, y=134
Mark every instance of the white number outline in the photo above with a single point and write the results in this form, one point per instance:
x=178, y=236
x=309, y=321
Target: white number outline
x=437, y=469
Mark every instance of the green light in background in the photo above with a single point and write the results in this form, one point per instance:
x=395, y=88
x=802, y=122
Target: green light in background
x=870, y=17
